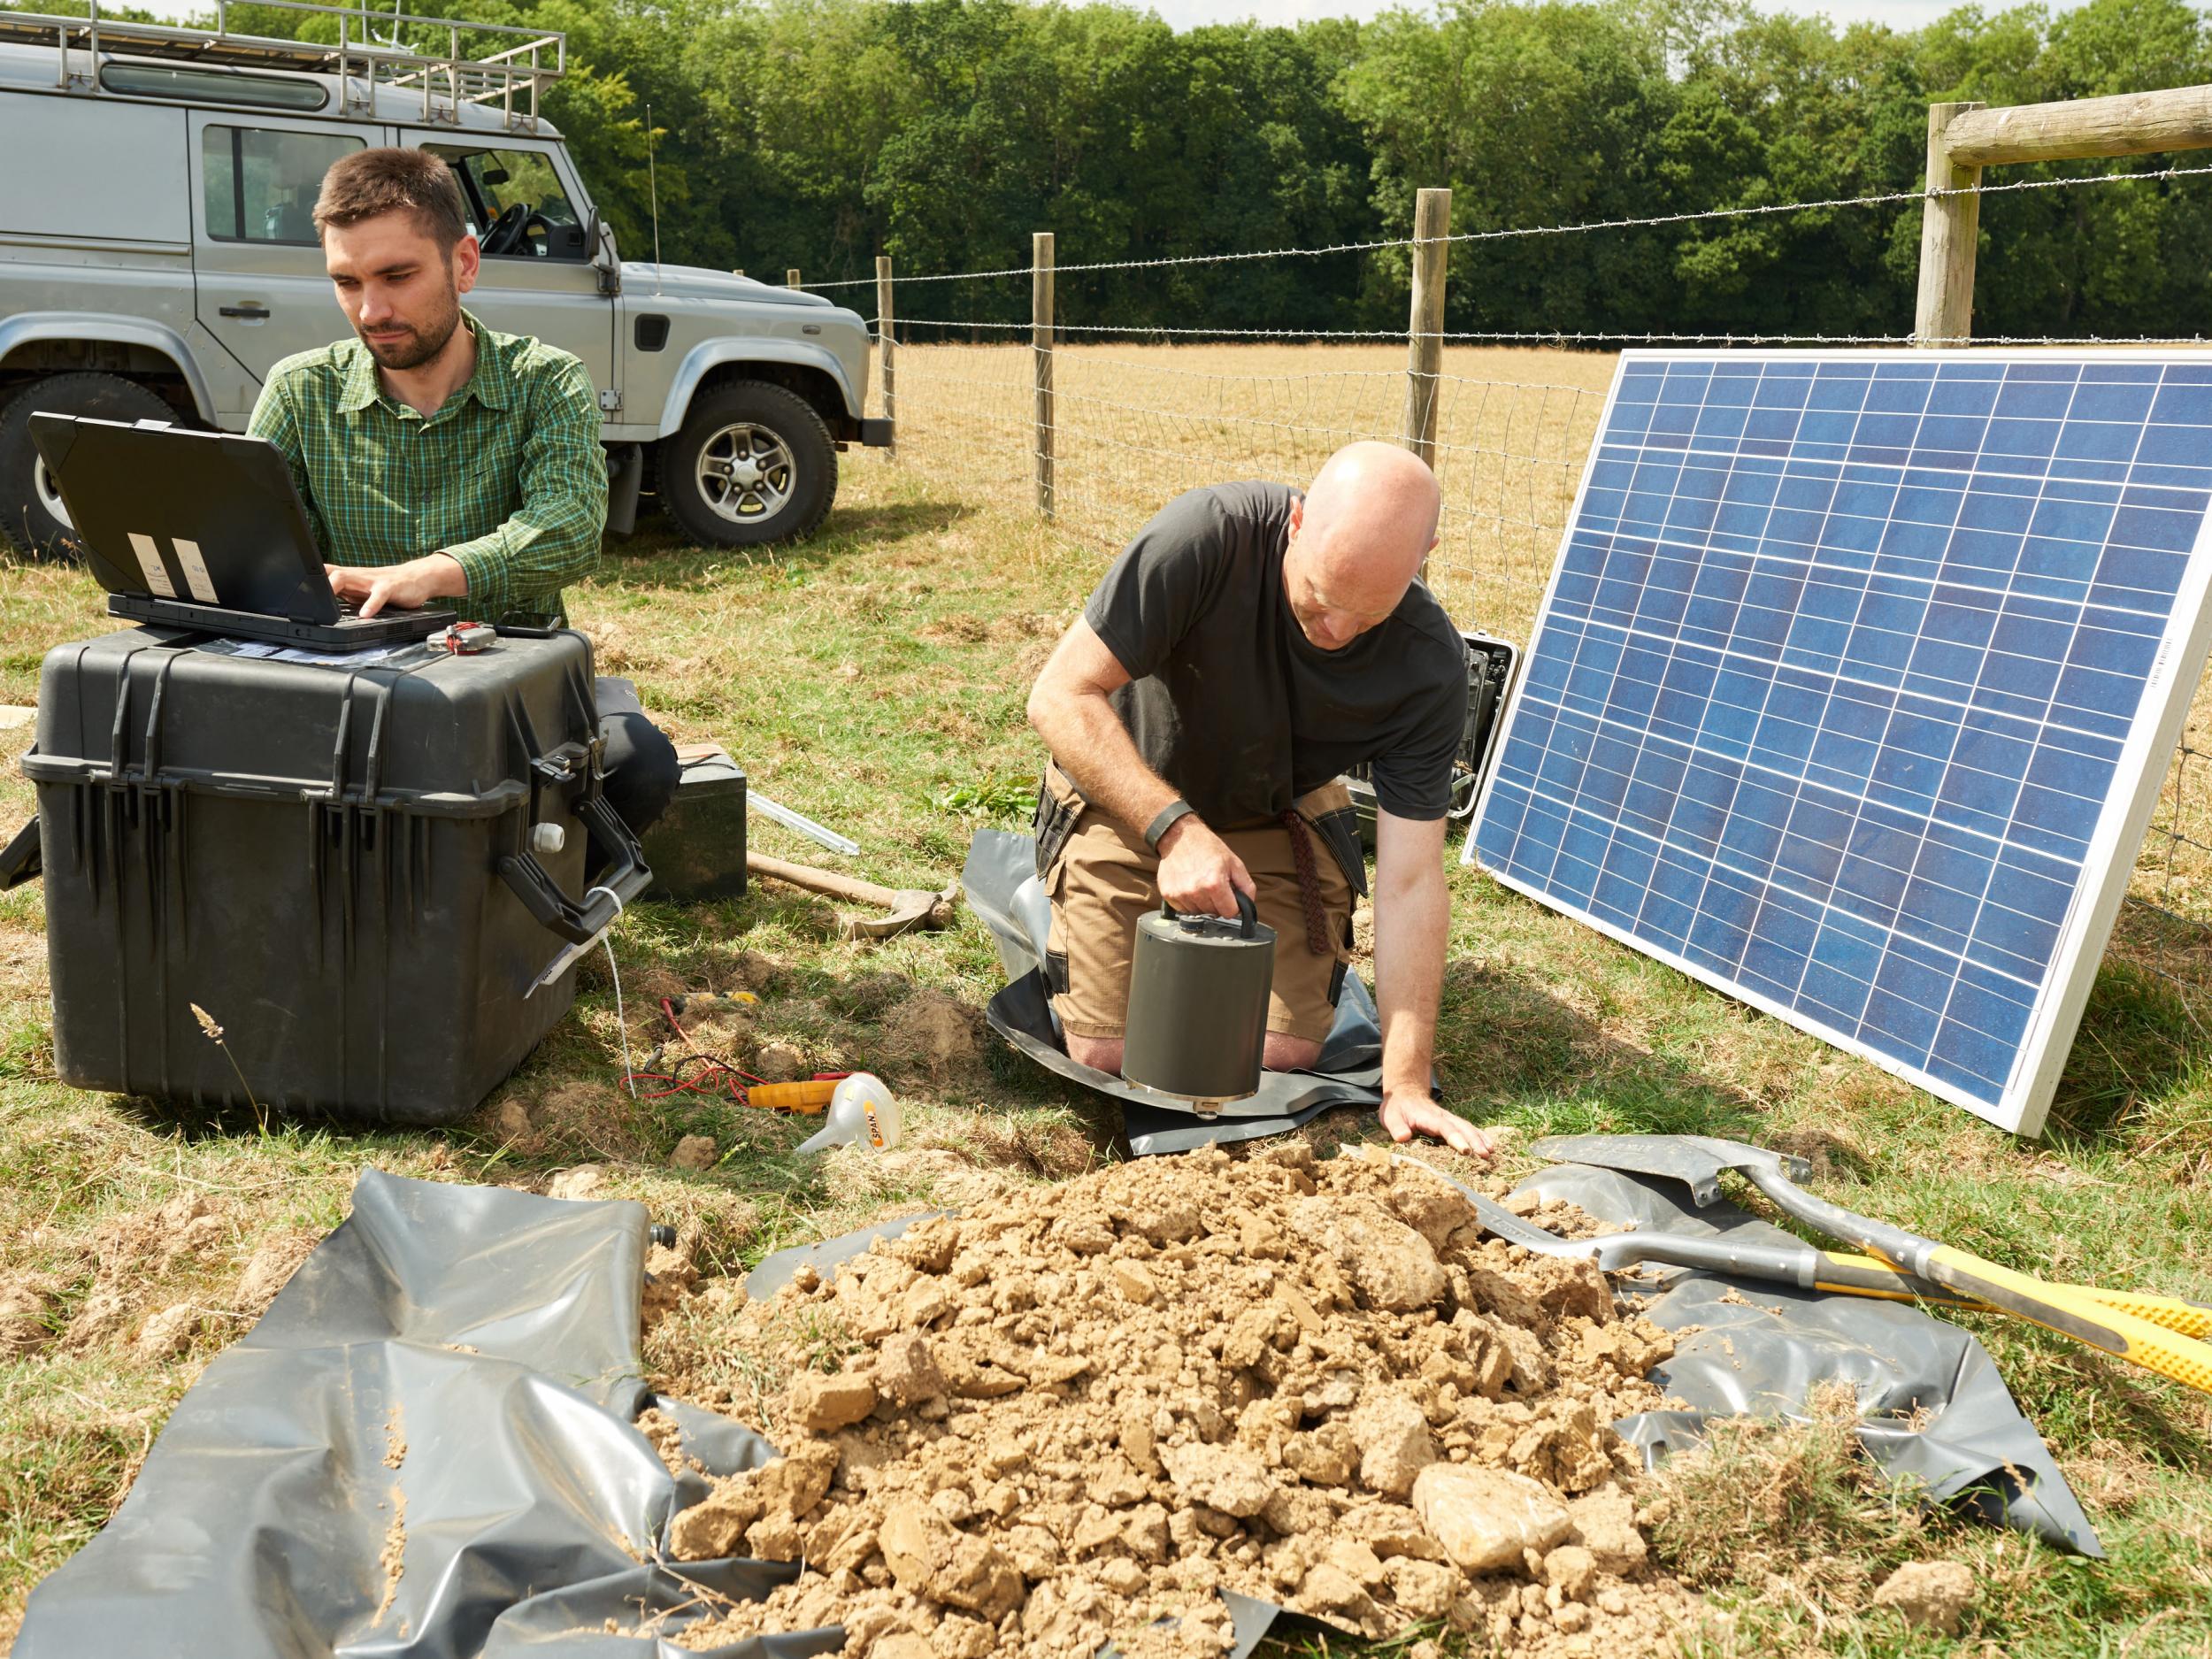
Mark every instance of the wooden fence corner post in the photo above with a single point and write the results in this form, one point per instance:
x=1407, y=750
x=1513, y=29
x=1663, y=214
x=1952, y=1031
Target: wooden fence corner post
x=1424, y=324
x=1041, y=350
x=1948, y=225
x=886, y=347
x=791, y=276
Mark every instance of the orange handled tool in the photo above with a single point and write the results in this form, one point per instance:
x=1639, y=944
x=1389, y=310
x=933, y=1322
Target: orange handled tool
x=806, y=1099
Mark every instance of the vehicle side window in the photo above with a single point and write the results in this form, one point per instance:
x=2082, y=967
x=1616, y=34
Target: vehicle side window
x=259, y=184
x=516, y=207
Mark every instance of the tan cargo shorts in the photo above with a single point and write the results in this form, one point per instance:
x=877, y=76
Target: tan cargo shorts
x=1104, y=878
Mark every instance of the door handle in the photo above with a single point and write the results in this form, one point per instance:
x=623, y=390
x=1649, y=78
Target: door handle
x=255, y=311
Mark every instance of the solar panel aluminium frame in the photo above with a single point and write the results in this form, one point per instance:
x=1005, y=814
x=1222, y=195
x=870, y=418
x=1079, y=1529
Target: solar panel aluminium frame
x=2107, y=867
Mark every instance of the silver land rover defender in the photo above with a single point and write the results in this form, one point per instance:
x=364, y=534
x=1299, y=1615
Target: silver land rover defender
x=157, y=256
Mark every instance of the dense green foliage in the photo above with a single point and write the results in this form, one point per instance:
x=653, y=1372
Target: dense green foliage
x=820, y=132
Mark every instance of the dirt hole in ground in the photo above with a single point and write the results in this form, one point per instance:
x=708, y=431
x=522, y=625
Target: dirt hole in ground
x=1071, y=1414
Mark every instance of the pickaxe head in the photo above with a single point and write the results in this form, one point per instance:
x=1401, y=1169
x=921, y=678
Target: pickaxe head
x=911, y=908
x=1696, y=1159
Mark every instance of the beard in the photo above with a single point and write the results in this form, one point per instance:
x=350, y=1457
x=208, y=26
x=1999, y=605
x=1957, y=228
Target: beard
x=416, y=346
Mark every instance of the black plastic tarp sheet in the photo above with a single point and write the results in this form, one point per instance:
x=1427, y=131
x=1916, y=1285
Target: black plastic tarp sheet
x=1000, y=883
x=452, y=1375
x=1933, y=1406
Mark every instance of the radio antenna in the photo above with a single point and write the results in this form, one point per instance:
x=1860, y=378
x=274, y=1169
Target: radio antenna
x=653, y=189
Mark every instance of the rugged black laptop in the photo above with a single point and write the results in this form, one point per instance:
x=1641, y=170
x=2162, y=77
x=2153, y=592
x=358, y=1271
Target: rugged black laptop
x=202, y=530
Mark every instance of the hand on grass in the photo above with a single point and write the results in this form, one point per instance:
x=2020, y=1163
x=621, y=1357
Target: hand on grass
x=407, y=587
x=1407, y=1114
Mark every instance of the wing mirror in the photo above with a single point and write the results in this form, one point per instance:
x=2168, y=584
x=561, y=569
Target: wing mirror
x=599, y=237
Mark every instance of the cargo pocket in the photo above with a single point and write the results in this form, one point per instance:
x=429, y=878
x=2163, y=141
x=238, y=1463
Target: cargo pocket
x=1329, y=810
x=1059, y=804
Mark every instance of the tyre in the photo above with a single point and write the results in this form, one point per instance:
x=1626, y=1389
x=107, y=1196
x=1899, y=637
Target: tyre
x=31, y=516
x=752, y=464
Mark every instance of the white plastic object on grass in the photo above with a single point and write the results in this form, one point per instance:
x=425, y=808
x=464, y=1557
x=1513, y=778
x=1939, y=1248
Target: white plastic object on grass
x=862, y=1111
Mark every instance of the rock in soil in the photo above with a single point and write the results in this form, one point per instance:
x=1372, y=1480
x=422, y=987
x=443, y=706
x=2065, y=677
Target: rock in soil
x=1934, y=1595
x=1074, y=1411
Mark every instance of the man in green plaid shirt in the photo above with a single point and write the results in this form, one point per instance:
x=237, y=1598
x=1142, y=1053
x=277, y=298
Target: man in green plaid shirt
x=439, y=460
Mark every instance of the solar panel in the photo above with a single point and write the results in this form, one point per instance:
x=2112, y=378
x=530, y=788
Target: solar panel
x=1855, y=684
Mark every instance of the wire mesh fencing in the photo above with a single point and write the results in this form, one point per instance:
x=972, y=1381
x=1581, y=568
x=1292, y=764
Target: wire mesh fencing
x=1134, y=425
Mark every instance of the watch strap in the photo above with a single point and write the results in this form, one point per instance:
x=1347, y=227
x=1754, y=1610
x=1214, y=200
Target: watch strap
x=1168, y=816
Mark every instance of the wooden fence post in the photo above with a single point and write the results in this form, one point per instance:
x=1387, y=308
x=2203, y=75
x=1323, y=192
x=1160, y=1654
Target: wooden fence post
x=791, y=276
x=1041, y=350
x=1948, y=225
x=1424, y=324
x=885, y=347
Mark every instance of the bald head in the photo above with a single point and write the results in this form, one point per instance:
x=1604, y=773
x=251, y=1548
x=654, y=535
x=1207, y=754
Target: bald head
x=1357, y=541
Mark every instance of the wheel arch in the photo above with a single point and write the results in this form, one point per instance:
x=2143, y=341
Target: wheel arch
x=811, y=373
x=37, y=343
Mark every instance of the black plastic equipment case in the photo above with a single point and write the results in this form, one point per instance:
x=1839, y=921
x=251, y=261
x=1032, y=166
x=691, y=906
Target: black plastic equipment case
x=358, y=871
x=697, y=846
x=1491, y=663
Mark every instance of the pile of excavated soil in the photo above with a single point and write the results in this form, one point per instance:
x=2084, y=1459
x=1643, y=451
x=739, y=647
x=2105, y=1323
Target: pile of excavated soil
x=1070, y=1415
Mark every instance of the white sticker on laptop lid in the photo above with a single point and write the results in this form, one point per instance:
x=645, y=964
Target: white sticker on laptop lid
x=149, y=562
x=195, y=576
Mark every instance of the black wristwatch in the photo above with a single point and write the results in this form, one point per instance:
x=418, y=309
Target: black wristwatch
x=1172, y=813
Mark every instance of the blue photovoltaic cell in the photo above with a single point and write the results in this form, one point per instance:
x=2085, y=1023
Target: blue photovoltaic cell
x=1830, y=694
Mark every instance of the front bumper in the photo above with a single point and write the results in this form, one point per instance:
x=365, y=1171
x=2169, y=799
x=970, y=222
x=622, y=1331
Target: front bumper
x=875, y=434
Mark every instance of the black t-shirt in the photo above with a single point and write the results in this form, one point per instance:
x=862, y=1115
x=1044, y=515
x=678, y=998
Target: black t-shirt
x=1234, y=706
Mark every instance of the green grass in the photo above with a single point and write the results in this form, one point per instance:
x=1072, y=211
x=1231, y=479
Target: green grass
x=874, y=679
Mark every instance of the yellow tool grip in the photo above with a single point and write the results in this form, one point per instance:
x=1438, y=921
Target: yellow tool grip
x=2074, y=1313
x=2186, y=1319
x=806, y=1098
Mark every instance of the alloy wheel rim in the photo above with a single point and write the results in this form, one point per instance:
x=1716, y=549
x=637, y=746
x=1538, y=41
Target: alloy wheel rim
x=746, y=472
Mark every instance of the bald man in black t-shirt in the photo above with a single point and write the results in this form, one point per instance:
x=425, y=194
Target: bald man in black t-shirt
x=1250, y=646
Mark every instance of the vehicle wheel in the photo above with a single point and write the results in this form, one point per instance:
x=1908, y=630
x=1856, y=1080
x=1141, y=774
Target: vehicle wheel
x=753, y=464
x=31, y=511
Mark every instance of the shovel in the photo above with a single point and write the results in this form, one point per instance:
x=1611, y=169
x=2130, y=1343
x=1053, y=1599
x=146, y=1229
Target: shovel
x=2143, y=1329
x=1799, y=1266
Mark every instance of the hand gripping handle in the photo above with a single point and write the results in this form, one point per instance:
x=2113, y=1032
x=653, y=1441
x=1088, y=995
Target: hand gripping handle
x=626, y=877
x=1247, y=912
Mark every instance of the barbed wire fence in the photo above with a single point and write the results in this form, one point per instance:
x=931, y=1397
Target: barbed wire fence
x=1095, y=425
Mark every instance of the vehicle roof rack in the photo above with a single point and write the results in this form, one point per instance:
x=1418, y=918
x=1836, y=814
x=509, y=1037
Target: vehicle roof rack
x=407, y=60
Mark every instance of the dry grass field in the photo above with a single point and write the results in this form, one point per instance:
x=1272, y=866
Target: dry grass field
x=874, y=677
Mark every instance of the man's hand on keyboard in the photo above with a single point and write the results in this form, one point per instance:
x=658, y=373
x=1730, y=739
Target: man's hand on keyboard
x=407, y=587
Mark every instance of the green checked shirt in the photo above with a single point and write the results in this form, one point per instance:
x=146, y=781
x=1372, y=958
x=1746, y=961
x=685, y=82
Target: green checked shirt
x=508, y=476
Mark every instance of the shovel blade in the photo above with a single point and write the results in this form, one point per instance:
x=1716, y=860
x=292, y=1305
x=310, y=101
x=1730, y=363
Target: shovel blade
x=1697, y=1160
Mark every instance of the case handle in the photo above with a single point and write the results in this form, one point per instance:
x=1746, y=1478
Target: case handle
x=622, y=880
x=23, y=859
x=1247, y=912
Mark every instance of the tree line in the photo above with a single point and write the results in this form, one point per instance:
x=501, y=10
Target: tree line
x=821, y=132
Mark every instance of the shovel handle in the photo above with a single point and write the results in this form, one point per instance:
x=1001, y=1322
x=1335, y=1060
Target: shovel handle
x=1869, y=1276
x=831, y=882
x=2065, y=1309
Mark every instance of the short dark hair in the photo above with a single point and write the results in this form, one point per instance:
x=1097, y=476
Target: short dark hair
x=370, y=183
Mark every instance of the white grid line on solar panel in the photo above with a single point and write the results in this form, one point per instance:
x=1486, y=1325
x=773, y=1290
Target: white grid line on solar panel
x=1864, y=1016
x=1858, y=624
x=1692, y=752
x=1823, y=913
x=1934, y=1039
x=1981, y=489
x=2013, y=575
x=1754, y=660
x=1738, y=965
